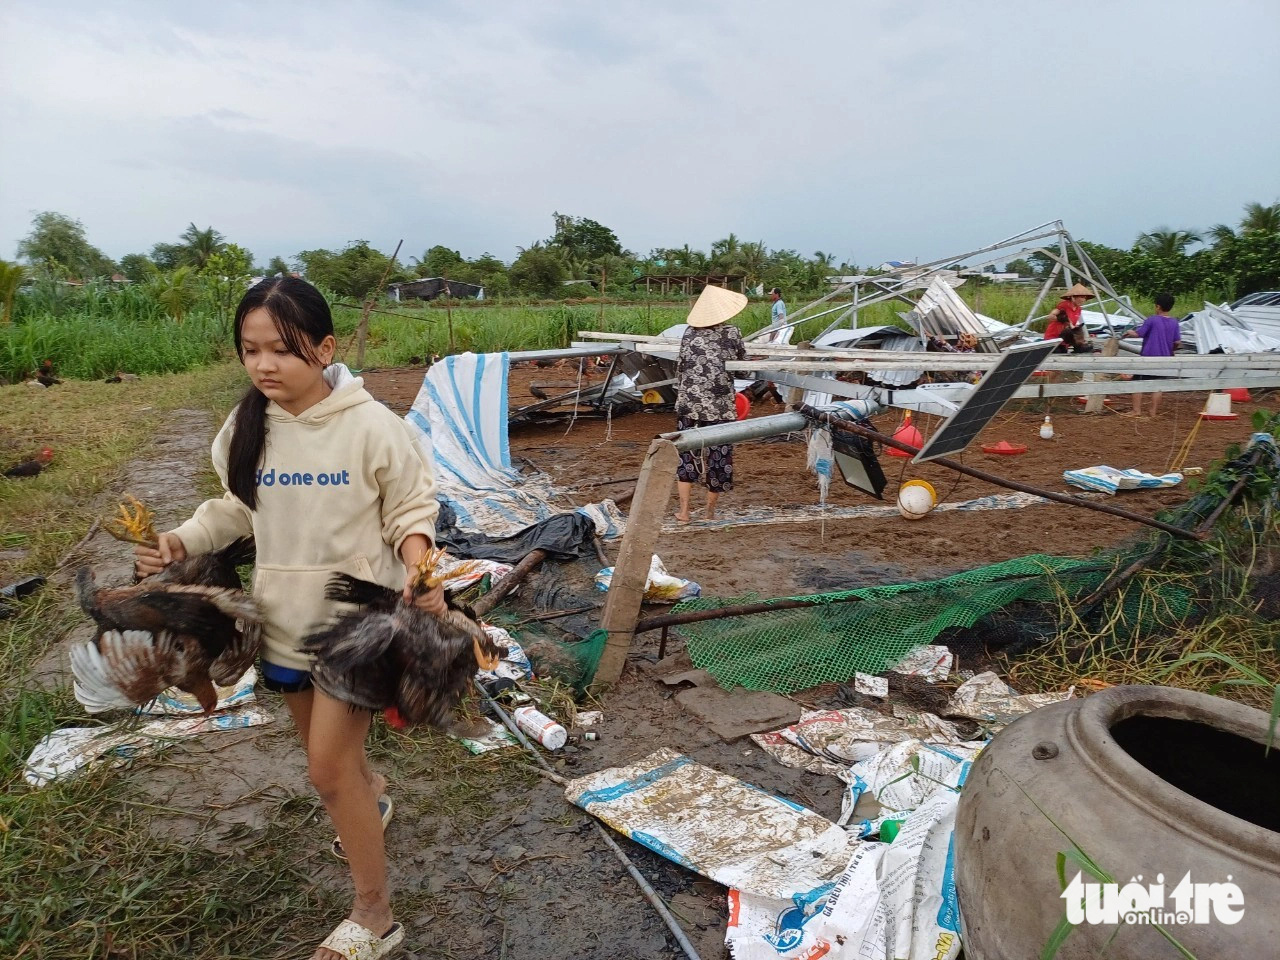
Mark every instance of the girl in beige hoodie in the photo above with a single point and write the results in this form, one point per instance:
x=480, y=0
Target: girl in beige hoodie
x=326, y=480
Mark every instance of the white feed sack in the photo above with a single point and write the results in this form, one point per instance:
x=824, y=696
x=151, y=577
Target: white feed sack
x=719, y=826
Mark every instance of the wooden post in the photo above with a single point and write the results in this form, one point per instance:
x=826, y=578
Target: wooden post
x=1096, y=403
x=644, y=525
x=362, y=331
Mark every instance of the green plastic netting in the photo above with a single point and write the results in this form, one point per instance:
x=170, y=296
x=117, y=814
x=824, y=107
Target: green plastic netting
x=1009, y=606
x=793, y=649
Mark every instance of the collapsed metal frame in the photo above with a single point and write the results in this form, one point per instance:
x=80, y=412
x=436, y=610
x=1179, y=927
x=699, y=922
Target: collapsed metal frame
x=895, y=285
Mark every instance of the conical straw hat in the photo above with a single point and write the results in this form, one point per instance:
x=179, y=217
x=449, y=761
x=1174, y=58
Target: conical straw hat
x=1080, y=290
x=715, y=305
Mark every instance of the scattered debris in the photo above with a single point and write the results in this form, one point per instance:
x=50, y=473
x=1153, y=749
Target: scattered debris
x=731, y=714
x=714, y=824
x=871, y=686
x=175, y=716
x=1109, y=479
x=659, y=587
x=932, y=662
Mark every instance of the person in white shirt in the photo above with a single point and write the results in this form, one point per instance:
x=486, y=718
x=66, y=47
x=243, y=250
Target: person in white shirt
x=778, y=312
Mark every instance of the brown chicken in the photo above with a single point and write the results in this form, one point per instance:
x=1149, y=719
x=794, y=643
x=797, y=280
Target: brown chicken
x=391, y=656
x=190, y=627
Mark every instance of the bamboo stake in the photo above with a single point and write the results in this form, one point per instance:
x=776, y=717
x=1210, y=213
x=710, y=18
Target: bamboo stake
x=508, y=583
x=362, y=330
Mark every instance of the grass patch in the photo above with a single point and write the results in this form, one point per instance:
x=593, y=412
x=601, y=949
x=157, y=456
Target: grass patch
x=94, y=429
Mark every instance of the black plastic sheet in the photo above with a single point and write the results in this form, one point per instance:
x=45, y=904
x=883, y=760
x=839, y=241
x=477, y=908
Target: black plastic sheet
x=566, y=536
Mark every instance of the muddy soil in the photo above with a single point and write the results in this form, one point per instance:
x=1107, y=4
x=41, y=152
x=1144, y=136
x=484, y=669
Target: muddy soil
x=780, y=559
x=515, y=872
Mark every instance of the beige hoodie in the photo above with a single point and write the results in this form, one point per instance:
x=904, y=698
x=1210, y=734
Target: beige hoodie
x=340, y=488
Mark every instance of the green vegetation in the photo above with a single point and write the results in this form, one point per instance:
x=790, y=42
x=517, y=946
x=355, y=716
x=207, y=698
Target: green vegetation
x=170, y=310
x=1196, y=615
x=1229, y=264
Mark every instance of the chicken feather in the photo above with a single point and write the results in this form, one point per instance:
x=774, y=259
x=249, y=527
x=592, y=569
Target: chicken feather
x=190, y=627
x=390, y=654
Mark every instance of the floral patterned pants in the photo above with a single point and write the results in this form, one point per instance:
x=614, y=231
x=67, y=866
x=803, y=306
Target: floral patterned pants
x=713, y=463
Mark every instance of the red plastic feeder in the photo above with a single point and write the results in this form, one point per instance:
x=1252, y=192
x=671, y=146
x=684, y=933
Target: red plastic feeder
x=1107, y=401
x=907, y=433
x=742, y=405
x=1004, y=448
x=1239, y=395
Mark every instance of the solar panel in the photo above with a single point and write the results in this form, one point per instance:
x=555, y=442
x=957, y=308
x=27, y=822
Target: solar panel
x=989, y=396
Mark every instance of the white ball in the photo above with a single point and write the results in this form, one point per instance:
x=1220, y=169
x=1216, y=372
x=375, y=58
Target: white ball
x=914, y=502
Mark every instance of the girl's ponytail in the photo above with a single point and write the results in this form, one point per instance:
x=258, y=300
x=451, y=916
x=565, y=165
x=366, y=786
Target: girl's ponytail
x=248, y=438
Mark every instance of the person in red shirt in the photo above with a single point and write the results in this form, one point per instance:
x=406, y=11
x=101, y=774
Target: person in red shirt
x=1064, y=321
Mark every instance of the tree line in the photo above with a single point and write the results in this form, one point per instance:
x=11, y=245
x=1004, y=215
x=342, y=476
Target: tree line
x=584, y=257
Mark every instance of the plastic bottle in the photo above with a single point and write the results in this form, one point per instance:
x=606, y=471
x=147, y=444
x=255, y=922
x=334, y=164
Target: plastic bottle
x=541, y=727
x=1046, y=429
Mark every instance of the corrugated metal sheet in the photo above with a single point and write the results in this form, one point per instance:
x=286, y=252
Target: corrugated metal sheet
x=941, y=313
x=1216, y=328
x=898, y=377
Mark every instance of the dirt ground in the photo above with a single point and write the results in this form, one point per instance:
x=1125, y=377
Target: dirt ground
x=487, y=860
x=781, y=559
x=486, y=857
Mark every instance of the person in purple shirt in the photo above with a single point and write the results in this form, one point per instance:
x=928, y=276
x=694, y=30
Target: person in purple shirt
x=1160, y=335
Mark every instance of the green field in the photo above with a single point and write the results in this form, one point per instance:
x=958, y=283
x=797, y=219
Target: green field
x=96, y=332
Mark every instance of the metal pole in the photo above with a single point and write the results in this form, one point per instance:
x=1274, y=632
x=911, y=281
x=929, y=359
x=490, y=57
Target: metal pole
x=846, y=427
x=649, y=893
x=1044, y=291
x=1062, y=249
x=668, y=620
x=738, y=432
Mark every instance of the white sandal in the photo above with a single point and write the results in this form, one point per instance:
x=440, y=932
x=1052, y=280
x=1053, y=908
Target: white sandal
x=354, y=942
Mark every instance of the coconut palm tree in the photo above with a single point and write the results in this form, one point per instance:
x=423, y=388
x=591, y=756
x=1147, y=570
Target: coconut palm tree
x=1166, y=244
x=1261, y=218
x=755, y=260
x=725, y=253
x=177, y=292
x=11, y=277
x=199, y=245
x=1220, y=233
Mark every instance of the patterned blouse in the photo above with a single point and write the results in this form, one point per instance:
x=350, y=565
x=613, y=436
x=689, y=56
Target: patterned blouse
x=704, y=386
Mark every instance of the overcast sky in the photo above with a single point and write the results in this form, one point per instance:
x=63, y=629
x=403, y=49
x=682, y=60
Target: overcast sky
x=871, y=130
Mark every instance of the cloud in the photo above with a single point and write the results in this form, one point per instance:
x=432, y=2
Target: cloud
x=873, y=129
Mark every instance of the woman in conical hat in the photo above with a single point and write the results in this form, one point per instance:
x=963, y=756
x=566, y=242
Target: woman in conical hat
x=1064, y=321
x=705, y=394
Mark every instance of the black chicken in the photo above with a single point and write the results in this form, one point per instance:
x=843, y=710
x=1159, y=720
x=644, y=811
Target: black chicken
x=29, y=468
x=45, y=374
x=190, y=627
x=391, y=656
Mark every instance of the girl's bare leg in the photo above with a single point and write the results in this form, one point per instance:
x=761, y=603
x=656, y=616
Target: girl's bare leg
x=338, y=768
x=299, y=705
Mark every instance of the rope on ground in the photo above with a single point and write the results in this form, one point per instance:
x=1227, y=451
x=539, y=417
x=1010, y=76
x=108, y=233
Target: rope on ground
x=1184, y=451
